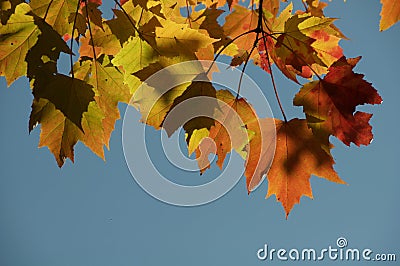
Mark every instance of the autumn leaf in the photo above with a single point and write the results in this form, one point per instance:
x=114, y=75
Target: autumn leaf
x=298, y=155
x=103, y=41
x=260, y=152
x=155, y=97
x=330, y=103
x=93, y=14
x=390, y=14
x=200, y=86
x=239, y=21
x=175, y=39
x=144, y=55
x=121, y=26
x=60, y=135
x=17, y=37
x=251, y=137
x=80, y=25
x=228, y=131
x=134, y=58
x=102, y=75
x=96, y=126
x=7, y=8
x=294, y=48
x=69, y=95
x=55, y=13
x=57, y=133
x=250, y=123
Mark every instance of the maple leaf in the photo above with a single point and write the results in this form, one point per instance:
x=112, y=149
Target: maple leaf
x=80, y=24
x=56, y=13
x=208, y=20
x=133, y=18
x=92, y=12
x=251, y=137
x=7, y=8
x=17, y=37
x=239, y=21
x=270, y=10
x=197, y=136
x=69, y=95
x=57, y=133
x=144, y=56
x=316, y=8
x=304, y=42
x=102, y=75
x=228, y=131
x=119, y=57
x=204, y=149
x=298, y=155
x=260, y=151
x=121, y=26
x=175, y=39
x=103, y=41
x=330, y=103
x=60, y=134
x=200, y=86
x=155, y=97
x=294, y=48
x=390, y=14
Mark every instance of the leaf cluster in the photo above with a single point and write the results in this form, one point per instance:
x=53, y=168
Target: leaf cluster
x=116, y=55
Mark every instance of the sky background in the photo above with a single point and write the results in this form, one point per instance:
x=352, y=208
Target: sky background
x=93, y=213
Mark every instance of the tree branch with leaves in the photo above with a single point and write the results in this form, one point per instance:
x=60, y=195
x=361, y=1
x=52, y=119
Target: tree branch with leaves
x=110, y=58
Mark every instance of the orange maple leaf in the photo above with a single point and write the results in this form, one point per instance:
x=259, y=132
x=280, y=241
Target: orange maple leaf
x=390, y=14
x=298, y=155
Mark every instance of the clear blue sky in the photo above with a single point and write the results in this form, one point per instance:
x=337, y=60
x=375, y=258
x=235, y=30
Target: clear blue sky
x=93, y=213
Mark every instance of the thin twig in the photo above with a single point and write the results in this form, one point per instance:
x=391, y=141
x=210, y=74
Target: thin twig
x=47, y=10
x=90, y=32
x=72, y=40
x=272, y=77
x=245, y=65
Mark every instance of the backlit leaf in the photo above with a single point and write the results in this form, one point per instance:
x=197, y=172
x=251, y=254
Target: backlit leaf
x=16, y=38
x=330, y=104
x=390, y=14
x=298, y=155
